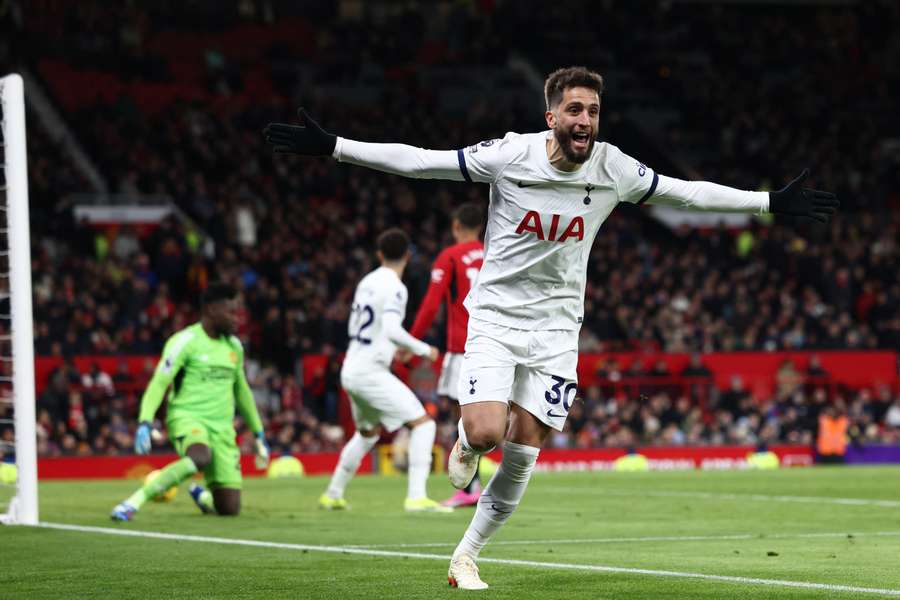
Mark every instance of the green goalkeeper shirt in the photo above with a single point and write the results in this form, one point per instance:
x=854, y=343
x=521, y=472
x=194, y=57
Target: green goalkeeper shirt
x=207, y=379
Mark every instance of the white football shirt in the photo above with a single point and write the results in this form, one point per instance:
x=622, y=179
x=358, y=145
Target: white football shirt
x=540, y=227
x=542, y=221
x=379, y=305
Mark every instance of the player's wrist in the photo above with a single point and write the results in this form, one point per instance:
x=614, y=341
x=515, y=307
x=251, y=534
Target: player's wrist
x=776, y=202
x=329, y=143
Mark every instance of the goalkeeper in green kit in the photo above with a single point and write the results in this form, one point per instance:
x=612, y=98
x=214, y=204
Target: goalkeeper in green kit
x=204, y=364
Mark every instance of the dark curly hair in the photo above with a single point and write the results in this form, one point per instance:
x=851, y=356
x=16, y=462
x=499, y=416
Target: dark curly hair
x=562, y=79
x=393, y=243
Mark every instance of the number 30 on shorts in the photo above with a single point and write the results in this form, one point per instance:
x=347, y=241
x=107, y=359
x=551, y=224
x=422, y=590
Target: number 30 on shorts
x=561, y=392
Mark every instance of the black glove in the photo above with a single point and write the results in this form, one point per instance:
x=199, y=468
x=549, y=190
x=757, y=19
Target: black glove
x=307, y=139
x=803, y=202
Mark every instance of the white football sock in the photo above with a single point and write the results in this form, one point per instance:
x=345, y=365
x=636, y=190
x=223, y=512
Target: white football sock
x=500, y=498
x=351, y=456
x=421, y=442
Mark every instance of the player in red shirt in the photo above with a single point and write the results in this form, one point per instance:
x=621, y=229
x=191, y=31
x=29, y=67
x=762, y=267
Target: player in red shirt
x=452, y=275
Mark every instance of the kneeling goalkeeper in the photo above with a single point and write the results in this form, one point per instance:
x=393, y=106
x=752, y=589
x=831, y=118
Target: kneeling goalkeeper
x=204, y=364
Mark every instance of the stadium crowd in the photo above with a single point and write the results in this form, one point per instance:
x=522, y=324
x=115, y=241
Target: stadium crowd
x=297, y=235
x=87, y=413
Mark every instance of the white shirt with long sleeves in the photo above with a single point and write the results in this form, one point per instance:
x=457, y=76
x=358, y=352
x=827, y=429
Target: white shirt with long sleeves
x=541, y=221
x=376, y=323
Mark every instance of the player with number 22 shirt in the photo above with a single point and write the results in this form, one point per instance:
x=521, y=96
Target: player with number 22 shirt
x=377, y=397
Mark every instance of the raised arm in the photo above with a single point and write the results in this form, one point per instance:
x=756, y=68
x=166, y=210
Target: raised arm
x=309, y=139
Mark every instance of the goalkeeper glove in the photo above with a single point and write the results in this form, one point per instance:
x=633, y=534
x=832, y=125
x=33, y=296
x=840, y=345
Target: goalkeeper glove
x=306, y=139
x=797, y=201
x=262, y=451
x=142, y=438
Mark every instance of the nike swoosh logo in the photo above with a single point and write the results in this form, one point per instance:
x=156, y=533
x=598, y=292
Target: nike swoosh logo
x=526, y=185
x=502, y=512
x=550, y=414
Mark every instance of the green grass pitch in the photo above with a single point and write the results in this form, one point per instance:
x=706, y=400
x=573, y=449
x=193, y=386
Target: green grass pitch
x=837, y=528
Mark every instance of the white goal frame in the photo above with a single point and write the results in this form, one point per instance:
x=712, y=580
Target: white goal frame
x=23, y=508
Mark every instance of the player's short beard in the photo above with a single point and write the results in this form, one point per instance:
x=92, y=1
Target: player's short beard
x=564, y=139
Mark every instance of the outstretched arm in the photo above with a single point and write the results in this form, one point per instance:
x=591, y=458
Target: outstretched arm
x=638, y=183
x=309, y=139
x=793, y=200
x=704, y=195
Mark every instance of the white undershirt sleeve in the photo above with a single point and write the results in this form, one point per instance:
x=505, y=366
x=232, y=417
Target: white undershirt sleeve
x=393, y=328
x=400, y=159
x=703, y=195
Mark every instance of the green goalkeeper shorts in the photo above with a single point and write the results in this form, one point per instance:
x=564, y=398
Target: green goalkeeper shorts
x=224, y=470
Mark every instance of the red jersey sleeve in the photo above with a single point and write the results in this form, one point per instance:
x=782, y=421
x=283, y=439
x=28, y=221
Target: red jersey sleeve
x=441, y=276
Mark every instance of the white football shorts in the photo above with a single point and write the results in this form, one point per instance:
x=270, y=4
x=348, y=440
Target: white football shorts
x=534, y=369
x=448, y=382
x=377, y=396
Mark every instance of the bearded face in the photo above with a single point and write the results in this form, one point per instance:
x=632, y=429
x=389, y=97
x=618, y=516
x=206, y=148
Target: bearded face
x=575, y=123
x=576, y=143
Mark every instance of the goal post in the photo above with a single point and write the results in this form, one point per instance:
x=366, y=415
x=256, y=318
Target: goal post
x=17, y=341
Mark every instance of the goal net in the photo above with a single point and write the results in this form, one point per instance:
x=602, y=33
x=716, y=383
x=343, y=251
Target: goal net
x=18, y=453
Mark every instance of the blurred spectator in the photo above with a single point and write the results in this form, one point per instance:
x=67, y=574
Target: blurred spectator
x=636, y=370
x=660, y=369
x=122, y=378
x=126, y=243
x=831, y=442
x=892, y=417
x=54, y=400
x=788, y=379
x=815, y=369
x=96, y=382
x=733, y=399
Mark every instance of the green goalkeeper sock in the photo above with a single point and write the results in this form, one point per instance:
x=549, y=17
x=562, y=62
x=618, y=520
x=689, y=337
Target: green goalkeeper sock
x=173, y=474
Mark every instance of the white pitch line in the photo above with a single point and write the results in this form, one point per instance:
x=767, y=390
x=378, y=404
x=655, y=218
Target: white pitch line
x=672, y=538
x=760, y=497
x=501, y=561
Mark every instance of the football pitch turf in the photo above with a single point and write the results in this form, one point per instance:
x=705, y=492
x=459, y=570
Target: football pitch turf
x=794, y=533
